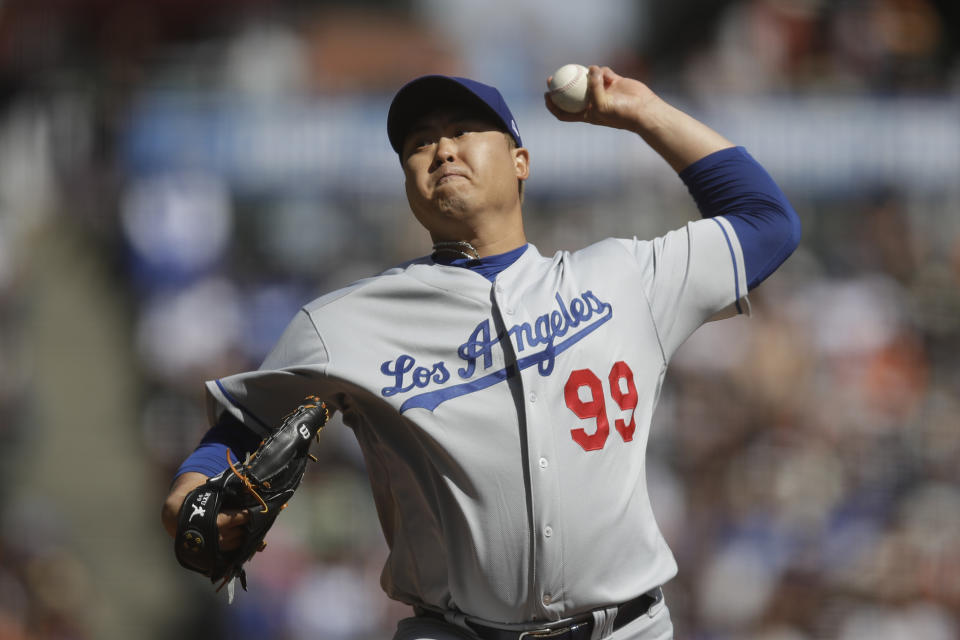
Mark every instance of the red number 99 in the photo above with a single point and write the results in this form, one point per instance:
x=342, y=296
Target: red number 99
x=596, y=407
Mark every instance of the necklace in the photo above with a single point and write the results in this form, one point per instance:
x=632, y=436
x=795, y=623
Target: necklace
x=461, y=248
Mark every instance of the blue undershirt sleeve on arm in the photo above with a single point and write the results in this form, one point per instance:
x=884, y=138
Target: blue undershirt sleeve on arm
x=210, y=456
x=731, y=183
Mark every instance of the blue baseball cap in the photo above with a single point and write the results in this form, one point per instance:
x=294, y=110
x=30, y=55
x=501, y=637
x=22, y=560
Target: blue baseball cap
x=427, y=92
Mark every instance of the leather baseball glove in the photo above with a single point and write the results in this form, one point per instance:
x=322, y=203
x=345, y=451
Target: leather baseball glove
x=262, y=485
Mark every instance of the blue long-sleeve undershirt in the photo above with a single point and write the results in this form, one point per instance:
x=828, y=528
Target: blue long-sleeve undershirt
x=731, y=183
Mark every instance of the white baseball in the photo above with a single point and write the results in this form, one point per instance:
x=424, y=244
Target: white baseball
x=568, y=87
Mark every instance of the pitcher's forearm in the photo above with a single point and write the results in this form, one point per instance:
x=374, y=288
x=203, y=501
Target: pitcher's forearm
x=679, y=138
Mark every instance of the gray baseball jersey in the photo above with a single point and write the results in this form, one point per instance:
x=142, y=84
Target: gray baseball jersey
x=504, y=426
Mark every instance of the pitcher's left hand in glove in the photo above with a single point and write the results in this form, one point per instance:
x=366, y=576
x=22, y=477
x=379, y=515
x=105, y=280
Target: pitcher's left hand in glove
x=261, y=485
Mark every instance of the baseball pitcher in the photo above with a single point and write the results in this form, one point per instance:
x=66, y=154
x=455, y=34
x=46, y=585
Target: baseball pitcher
x=503, y=399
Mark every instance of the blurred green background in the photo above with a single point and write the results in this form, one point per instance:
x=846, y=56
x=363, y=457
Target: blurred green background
x=177, y=177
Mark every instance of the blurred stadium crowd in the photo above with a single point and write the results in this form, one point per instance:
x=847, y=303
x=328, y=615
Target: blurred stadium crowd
x=176, y=178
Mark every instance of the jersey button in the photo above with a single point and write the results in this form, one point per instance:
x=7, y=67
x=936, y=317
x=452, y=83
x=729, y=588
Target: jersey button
x=543, y=463
x=532, y=397
x=548, y=531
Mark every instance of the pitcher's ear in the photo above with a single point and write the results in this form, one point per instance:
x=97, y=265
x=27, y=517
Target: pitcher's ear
x=521, y=162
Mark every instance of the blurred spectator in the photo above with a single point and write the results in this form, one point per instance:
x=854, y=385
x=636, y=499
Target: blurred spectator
x=178, y=227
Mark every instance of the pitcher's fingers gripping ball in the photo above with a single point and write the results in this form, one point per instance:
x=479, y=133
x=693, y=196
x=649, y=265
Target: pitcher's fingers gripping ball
x=261, y=485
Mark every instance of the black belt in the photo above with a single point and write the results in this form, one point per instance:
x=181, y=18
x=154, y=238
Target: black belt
x=579, y=628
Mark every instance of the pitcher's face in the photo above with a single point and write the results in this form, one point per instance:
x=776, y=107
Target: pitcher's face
x=460, y=164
